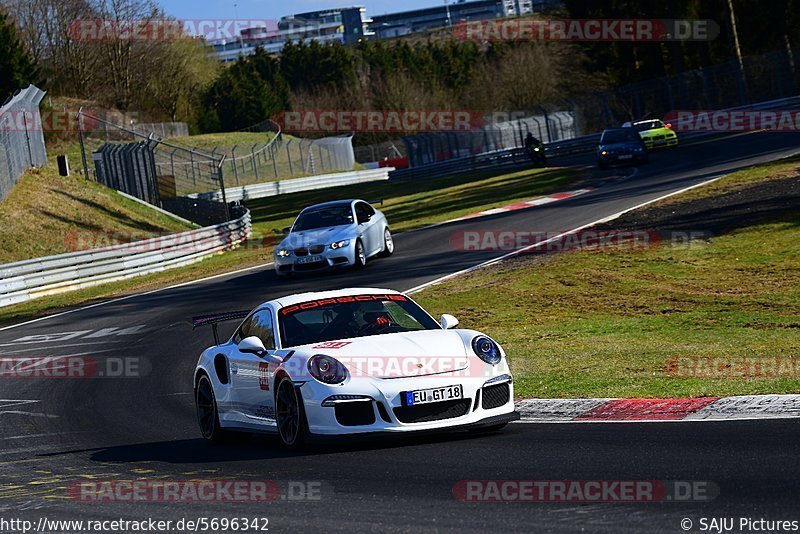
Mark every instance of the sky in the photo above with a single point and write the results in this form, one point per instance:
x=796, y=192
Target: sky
x=275, y=9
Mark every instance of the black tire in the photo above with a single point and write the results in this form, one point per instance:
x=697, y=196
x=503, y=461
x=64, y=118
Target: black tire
x=602, y=164
x=388, y=243
x=207, y=413
x=360, y=260
x=290, y=417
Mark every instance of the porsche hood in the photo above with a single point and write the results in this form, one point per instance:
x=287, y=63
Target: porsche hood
x=397, y=355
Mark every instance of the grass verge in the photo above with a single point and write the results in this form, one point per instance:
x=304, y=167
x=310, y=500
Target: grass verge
x=615, y=322
x=408, y=205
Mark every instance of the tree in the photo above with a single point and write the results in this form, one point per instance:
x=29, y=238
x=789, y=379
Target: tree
x=17, y=70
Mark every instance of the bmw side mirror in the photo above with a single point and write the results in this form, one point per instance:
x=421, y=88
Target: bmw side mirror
x=252, y=345
x=448, y=321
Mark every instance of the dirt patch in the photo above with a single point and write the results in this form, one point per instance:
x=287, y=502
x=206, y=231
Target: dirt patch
x=771, y=200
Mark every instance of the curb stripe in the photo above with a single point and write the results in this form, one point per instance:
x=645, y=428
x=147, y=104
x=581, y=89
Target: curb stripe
x=525, y=204
x=662, y=410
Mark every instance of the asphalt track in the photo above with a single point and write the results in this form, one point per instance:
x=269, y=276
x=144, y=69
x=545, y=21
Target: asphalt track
x=57, y=431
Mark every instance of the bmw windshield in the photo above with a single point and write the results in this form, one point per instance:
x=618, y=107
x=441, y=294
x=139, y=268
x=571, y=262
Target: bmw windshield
x=619, y=136
x=323, y=218
x=649, y=125
x=348, y=317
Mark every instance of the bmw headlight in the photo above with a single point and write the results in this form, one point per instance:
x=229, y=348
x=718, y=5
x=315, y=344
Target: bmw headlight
x=282, y=252
x=326, y=369
x=486, y=349
x=340, y=244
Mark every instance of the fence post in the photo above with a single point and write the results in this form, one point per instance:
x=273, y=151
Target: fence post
x=83, y=148
x=274, y=154
x=233, y=160
x=289, y=157
x=222, y=188
x=255, y=167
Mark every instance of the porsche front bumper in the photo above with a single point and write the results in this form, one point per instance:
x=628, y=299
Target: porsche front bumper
x=378, y=406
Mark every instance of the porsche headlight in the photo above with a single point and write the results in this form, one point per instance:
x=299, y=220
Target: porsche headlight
x=486, y=349
x=282, y=252
x=340, y=244
x=326, y=369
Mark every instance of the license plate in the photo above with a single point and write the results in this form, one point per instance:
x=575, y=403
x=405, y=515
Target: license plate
x=626, y=156
x=426, y=396
x=309, y=259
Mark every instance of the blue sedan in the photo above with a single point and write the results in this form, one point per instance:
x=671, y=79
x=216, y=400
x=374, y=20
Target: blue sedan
x=620, y=145
x=342, y=233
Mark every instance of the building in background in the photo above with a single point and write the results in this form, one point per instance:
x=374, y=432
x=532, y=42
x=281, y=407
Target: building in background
x=449, y=13
x=342, y=25
x=350, y=24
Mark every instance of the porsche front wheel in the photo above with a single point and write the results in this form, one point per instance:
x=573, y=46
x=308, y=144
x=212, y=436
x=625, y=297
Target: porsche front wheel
x=289, y=415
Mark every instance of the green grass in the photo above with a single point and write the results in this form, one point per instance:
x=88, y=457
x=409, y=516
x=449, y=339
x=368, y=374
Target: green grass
x=607, y=323
x=49, y=214
x=413, y=204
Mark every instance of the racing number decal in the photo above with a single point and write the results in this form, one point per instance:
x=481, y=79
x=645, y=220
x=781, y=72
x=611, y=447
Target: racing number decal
x=263, y=376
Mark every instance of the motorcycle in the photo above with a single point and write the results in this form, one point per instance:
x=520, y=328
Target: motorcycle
x=536, y=154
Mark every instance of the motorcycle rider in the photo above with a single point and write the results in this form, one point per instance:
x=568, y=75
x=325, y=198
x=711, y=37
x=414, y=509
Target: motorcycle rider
x=535, y=149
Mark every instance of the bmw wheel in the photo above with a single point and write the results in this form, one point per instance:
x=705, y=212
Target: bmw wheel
x=207, y=413
x=388, y=243
x=289, y=415
x=360, y=256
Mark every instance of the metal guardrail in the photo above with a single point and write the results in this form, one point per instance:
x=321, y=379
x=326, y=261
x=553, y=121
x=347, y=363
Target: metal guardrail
x=517, y=158
x=282, y=187
x=30, y=279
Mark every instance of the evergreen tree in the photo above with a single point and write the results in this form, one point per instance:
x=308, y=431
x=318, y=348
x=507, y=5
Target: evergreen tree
x=17, y=70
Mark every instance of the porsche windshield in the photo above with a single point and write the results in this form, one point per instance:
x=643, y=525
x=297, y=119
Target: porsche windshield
x=324, y=217
x=348, y=317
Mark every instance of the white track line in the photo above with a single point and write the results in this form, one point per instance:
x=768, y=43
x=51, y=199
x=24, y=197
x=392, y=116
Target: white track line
x=559, y=236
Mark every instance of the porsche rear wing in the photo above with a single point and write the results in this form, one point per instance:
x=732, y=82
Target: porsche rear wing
x=215, y=318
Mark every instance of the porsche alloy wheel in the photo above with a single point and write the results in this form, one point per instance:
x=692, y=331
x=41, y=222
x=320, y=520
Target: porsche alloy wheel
x=289, y=415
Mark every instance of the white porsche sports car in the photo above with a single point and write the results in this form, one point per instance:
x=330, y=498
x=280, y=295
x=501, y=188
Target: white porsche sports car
x=352, y=361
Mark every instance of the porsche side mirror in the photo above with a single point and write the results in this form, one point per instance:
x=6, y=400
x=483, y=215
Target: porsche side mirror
x=448, y=321
x=252, y=345
x=285, y=231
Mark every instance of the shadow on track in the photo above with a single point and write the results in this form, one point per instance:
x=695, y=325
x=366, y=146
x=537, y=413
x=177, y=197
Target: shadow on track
x=250, y=447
